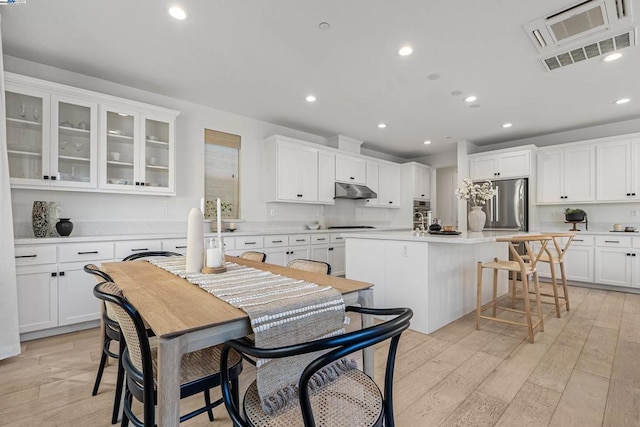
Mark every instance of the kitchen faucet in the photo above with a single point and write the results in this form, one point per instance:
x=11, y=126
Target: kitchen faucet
x=421, y=220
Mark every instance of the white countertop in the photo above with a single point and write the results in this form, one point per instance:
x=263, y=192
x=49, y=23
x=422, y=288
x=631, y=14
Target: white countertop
x=120, y=237
x=465, y=238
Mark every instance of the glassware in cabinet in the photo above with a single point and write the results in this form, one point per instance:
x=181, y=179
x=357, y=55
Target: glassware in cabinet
x=120, y=147
x=157, y=154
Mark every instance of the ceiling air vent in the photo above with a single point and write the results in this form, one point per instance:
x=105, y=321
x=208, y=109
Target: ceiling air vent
x=591, y=50
x=573, y=24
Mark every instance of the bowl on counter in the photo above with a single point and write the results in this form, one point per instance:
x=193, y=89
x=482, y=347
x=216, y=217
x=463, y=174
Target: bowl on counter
x=313, y=226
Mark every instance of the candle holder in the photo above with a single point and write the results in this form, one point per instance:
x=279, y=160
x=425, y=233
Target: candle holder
x=214, y=270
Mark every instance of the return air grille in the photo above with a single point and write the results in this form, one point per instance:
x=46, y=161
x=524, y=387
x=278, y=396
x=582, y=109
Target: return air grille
x=591, y=50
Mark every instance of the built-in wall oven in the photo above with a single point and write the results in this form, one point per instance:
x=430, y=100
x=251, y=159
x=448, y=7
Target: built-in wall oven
x=421, y=212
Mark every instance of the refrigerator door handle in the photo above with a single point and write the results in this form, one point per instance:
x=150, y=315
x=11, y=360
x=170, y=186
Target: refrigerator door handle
x=495, y=211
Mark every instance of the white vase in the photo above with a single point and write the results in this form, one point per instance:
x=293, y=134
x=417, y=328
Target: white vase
x=476, y=218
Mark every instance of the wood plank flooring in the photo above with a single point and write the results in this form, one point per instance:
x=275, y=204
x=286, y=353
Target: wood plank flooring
x=581, y=371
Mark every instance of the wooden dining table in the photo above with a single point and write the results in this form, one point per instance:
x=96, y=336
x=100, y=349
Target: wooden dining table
x=186, y=318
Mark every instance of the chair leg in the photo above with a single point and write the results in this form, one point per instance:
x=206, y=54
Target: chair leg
x=479, y=309
x=207, y=401
x=119, y=385
x=495, y=293
x=536, y=285
x=564, y=285
x=103, y=363
x=128, y=400
x=514, y=290
x=527, y=305
x=554, y=286
x=235, y=392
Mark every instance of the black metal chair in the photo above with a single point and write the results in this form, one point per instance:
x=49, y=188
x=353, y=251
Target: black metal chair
x=139, y=255
x=352, y=398
x=199, y=370
x=110, y=332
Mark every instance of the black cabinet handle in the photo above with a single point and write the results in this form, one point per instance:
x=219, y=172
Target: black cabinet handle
x=299, y=195
x=26, y=256
x=339, y=238
x=139, y=249
x=576, y=240
x=181, y=247
x=276, y=241
x=390, y=201
x=330, y=249
x=45, y=176
x=628, y=194
x=143, y=184
x=87, y=252
x=352, y=178
x=612, y=241
x=62, y=273
x=249, y=243
x=321, y=239
x=54, y=274
x=422, y=195
x=301, y=240
x=53, y=177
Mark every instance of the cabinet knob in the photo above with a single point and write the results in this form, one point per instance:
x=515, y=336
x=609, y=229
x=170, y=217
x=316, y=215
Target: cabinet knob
x=62, y=273
x=45, y=176
x=54, y=274
x=423, y=195
x=628, y=194
x=330, y=249
x=137, y=183
x=390, y=201
x=352, y=178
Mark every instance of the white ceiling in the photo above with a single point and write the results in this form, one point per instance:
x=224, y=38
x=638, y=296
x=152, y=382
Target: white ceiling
x=261, y=58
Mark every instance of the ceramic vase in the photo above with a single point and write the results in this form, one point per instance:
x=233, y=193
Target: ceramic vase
x=39, y=218
x=64, y=226
x=476, y=218
x=54, y=216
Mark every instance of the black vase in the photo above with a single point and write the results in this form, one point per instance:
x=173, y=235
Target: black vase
x=574, y=217
x=64, y=226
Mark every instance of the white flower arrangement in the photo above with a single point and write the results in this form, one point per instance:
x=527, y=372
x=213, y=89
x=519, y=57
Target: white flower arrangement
x=475, y=194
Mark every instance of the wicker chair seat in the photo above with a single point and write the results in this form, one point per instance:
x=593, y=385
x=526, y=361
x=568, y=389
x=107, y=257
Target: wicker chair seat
x=353, y=398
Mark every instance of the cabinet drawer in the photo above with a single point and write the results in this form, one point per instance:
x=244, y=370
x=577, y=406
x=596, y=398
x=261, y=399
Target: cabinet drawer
x=249, y=242
x=318, y=239
x=337, y=238
x=129, y=247
x=614, y=241
x=70, y=252
x=276, y=241
x=582, y=241
x=175, y=245
x=34, y=255
x=299, y=240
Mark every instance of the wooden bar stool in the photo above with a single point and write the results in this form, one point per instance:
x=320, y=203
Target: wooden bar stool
x=525, y=268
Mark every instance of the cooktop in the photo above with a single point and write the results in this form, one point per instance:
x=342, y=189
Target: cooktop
x=336, y=227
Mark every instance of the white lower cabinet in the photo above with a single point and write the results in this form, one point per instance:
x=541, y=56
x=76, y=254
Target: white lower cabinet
x=578, y=260
x=130, y=247
x=178, y=245
x=76, y=302
x=282, y=256
x=617, y=261
x=37, y=297
x=334, y=255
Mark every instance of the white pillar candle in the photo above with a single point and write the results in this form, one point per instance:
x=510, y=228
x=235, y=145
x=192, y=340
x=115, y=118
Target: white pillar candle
x=213, y=258
x=195, y=241
x=219, y=220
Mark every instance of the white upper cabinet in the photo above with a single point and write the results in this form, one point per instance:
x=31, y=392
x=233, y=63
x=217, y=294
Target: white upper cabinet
x=618, y=178
x=509, y=164
x=326, y=177
x=292, y=171
x=390, y=186
x=60, y=137
x=351, y=169
x=566, y=174
x=421, y=182
x=373, y=182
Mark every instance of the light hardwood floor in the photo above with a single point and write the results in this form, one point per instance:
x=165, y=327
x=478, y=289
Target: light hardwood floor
x=581, y=371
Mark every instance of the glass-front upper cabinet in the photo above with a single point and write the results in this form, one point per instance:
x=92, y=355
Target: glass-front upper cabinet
x=157, y=154
x=28, y=119
x=74, y=142
x=120, y=148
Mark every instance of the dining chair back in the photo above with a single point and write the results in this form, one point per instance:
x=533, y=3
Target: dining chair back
x=309, y=265
x=145, y=254
x=110, y=332
x=351, y=398
x=254, y=256
x=199, y=370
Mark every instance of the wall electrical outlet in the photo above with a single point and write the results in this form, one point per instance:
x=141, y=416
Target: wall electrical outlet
x=272, y=212
x=405, y=252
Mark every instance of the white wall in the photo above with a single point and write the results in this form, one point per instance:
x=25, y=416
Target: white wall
x=92, y=211
x=446, y=201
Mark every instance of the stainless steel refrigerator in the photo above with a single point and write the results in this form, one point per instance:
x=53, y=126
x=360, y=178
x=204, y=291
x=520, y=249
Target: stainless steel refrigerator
x=509, y=208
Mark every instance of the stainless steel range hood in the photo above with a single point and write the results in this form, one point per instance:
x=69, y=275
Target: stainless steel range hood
x=354, y=191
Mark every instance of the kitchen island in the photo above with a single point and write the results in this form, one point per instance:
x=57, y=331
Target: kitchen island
x=434, y=275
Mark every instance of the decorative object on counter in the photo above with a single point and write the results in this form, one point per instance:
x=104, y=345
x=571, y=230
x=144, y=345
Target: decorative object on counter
x=435, y=226
x=54, y=216
x=313, y=226
x=476, y=195
x=40, y=218
x=446, y=233
x=618, y=227
x=630, y=229
x=576, y=216
x=195, y=241
x=64, y=227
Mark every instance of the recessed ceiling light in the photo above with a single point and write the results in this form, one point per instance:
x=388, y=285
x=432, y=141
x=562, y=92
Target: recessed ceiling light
x=456, y=93
x=507, y=125
x=178, y=13
x=405, y=51
x=382, y=125
x=470, y=98
x=622, y=101
x=612, y=57
x=427, y=142
x=311, y=98
x=324, y=26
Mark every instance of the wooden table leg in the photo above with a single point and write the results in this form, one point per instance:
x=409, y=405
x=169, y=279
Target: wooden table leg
x=365, y=299
x=170, y=351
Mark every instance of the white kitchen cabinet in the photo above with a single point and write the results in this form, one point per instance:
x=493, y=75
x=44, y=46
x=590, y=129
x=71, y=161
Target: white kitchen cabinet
x=500, y=165
x=326, y=177
x=390, y=186
x=332, y=254
x=37, y=297
x=373, y=181
x=351, y=169
x=578, y=260
x=421, y=182
x=282, y=256
x=61, y=137
x=129, y=247
x=618, y=177
x=616, y=261
x=292, y=171
x=178, y=245
x=137, y=150
x=567, y=175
